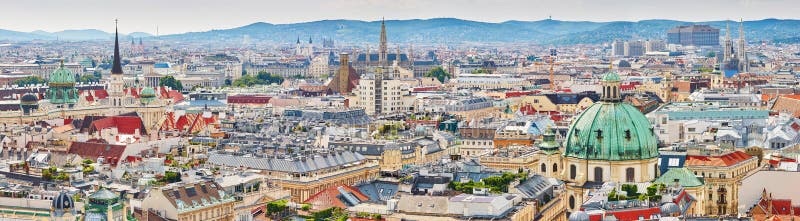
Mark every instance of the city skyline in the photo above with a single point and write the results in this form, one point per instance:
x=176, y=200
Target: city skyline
x=175, y=17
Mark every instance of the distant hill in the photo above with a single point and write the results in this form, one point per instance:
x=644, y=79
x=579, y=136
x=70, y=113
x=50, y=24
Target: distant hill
x=70, y=35
x=443, y=30
x=450, y=30
x=446, y=30
x=21, y=36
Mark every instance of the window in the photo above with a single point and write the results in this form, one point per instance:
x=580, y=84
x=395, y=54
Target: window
x=630, y=174
x=543, y=168
x=555, y=168
x=572, y=171
x=673, y=162
x=598, y=174
x=572, y=202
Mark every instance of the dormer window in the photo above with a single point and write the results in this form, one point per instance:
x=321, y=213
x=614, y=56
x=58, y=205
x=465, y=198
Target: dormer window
x=628, y=134
x=599, y=134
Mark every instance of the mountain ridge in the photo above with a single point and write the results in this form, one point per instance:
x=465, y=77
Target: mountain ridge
x=444, y=30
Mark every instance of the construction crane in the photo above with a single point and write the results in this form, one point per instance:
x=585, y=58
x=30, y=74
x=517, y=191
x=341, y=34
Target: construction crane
x=552, y=61
x=553, y=54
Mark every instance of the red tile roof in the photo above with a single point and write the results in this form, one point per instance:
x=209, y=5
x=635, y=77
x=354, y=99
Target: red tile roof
x=723, y=160
x=112, y=153
x=101, y=94
x=175, y=95
x=124, y=124
x=327, y=198
x=634, y=214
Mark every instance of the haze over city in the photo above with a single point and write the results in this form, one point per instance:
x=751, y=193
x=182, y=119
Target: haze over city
x=179, y=16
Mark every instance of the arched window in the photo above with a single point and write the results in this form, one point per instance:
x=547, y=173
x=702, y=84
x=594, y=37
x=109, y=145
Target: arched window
x=598, y=174
x=555, y=168
x=571, y=202
x=543, y=168
x=615, y=92
x=572, y=171
x=629, y=174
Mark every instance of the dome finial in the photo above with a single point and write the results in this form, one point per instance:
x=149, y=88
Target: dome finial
x=62, y=63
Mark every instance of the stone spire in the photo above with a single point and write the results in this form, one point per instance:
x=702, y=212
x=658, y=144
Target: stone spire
x=117, y=67
x=411, y=56
x=383, y=50
x=367, y=58
x=728, y=50
x=742, y=53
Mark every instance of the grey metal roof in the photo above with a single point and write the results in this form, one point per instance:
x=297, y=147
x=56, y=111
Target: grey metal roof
x=313, y=163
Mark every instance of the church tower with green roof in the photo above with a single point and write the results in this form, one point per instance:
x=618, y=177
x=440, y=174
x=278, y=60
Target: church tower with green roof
x=61, y=89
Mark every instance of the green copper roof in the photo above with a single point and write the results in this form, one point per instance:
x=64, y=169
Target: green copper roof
x=103, y=194
x=62, y=87
x=549, y=141
x=611, y=131
x=147, y=95
x=62, y=75
x=611, y=76
x=684, y=176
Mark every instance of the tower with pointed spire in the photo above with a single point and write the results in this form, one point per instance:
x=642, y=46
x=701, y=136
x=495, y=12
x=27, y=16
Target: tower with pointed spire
x=382, y=58
x=741, y=52
x=117, y=83
x=727, y=45
x=297, y=48
x=309, y=47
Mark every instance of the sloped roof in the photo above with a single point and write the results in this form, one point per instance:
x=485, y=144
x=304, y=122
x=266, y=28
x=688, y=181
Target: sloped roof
x=111, y=152
x=330, y=197
x=124, y=124
x=309, y=164
x=200, y=193
x=728, y=159
x=684, y=176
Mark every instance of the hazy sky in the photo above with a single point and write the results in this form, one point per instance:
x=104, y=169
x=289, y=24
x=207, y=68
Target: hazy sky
x=177, y=16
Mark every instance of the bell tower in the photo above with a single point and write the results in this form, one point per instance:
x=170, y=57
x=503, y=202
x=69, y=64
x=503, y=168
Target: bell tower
x=115, y=88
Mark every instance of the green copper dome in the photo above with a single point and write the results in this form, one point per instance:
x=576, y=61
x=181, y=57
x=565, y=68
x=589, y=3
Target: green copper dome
x=611, y=131
x=62, y=76
x=147, y=95
x=611, y=76
x=62, y=87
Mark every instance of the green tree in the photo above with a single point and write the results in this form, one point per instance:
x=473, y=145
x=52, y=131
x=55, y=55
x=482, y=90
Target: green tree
x=87, y=78
x=246, y=81
x=438, y=73
x=630, y=190
x=171, y=177
x=268, y=78
x=29, y=80
x=47, y=175
x=170, y=81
